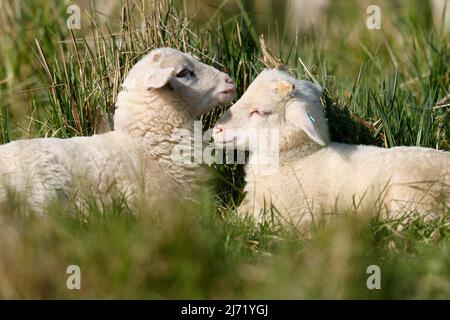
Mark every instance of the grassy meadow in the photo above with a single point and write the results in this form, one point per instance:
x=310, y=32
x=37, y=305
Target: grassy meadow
x=386, y=87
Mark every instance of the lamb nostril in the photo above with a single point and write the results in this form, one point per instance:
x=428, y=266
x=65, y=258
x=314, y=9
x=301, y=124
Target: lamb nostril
x=229, y=80
x=217, y=130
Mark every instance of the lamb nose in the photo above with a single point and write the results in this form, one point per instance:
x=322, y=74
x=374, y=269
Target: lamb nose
x=229, y=80
x=217, y=130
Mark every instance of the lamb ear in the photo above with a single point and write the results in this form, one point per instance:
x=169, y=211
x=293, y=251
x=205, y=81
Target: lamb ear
x=283, y=87
x=297, y=114
x=284, y=68
x=158, y=77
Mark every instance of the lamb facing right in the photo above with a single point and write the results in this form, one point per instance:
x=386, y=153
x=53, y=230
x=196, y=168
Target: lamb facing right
x=314, y=175
x=164, y=92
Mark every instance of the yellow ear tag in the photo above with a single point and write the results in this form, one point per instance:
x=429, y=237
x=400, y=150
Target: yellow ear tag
x=283, y=86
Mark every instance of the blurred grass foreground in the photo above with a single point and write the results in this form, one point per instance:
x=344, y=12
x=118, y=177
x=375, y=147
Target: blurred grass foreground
x=387, y=86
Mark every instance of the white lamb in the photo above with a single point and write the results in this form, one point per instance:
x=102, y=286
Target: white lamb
x=165, y=91
x=315, y=176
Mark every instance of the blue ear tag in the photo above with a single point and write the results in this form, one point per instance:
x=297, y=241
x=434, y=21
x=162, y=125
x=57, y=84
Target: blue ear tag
x=311, y=118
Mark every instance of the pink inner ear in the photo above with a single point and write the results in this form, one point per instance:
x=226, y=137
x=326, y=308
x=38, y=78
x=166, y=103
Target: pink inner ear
x=283, y=86
x=156, y=56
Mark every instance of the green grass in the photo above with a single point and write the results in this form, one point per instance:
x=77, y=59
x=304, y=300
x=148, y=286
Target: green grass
x=191, y=253
x=387, y=87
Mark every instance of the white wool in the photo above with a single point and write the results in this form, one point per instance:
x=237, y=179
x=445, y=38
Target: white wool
x=159, y=97
x=315, y=176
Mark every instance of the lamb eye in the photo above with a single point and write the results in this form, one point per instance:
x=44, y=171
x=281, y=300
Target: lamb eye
x=260, y=113
x=184, y=73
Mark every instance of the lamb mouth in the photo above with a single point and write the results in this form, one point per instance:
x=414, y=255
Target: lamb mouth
x=228, y=93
